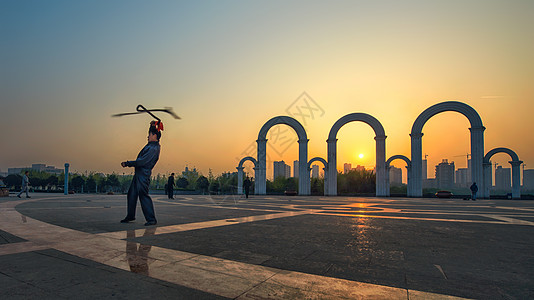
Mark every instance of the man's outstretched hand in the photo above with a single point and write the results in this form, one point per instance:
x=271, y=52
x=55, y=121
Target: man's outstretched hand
x=123, y=164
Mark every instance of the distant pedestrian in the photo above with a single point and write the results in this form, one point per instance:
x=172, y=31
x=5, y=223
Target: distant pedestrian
x=474, y=190
x=25, y=184
x=146, y=160
x=246, y=185
x=170, y=186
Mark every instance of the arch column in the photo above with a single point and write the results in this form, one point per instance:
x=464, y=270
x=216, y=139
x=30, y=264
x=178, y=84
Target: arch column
x=487, y=180
x=516, y=180
x=416, y=184
x=261, y=182
x=408, y=180
x=477, y=156
x=332, y=167
x=304, y=181
x=256, y=186
x=325, y=180
x=240, y=180
x=382, y=183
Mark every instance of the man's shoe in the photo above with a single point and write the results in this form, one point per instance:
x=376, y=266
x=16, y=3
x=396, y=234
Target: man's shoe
x=18, y=196
x=151, y=223
x=127, y=220
x=28, y=197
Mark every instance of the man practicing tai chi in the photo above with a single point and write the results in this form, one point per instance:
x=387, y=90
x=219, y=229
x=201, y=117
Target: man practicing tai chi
x=146, y=160
x=170, y=186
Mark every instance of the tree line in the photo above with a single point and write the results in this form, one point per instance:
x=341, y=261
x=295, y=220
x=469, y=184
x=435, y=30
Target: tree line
x=191, y=181
x=354, y=182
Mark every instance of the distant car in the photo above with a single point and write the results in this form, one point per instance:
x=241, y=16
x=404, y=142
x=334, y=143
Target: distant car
x=290, y=193
x=443, y=194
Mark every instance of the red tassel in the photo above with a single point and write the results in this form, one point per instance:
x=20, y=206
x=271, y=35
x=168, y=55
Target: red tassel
x=157, y=124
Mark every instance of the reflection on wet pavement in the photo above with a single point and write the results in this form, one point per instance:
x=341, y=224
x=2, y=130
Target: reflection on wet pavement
x=138, y=255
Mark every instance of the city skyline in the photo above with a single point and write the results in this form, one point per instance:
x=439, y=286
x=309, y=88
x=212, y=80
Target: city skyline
x=64, y=75
x=457, y=178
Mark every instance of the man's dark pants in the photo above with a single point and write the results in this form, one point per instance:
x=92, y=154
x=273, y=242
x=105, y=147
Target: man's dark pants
x=139, y=188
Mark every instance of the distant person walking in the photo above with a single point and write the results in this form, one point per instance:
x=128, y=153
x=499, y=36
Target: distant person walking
x=246, y=185
x=146, y=160
x=474, y=190
x=25, y=184
x=170, y=186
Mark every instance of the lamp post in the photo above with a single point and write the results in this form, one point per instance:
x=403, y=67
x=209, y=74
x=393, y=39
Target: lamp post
x=66, y=186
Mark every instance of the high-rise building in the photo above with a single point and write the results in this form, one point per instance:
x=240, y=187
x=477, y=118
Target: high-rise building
x=395, y=175
x=503, y=181
x=296, y=169
x=424, y=167
x=462, y=180
x=445, y=175
x=347, y=168
x=430, y=183
x=528, y=179
x=315, y=171
x=287, y=171
x=280, y=169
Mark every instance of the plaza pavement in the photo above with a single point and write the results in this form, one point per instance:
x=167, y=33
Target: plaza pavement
x=266, y=247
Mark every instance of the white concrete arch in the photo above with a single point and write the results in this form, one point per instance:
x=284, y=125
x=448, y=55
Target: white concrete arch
x=516, y=164
x=325, y=169
x=319, y=159
x=477, y=142
x=494, y=151
x=240, y=173
x=408, y=170
x=380, y=138
x=261, y=175
x=401, y=157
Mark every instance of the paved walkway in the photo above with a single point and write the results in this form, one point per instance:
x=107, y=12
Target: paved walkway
x=267, y=247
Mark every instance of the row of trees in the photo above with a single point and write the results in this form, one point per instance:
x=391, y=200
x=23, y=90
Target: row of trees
x=354, y=182
x=225, y=183
x=94, y=182
x=37, y=179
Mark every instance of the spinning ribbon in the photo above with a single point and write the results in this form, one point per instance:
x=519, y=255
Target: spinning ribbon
x=141, y=109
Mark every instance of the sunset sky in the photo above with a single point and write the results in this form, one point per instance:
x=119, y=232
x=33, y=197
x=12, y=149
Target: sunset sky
x=226, y=67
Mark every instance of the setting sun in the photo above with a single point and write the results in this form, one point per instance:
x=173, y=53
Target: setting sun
x=360, y=155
